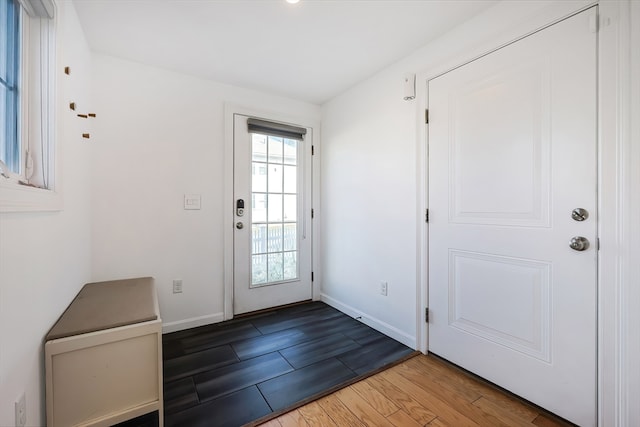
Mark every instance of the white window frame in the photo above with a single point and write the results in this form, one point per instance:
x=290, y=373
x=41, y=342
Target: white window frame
x=37, y=130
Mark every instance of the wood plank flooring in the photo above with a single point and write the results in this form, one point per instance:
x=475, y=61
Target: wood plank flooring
x=235, y=372
x=422, y=391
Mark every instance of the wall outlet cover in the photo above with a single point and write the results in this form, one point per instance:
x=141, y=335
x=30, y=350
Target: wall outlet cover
x=177, y=286
x=192, y=201
x=384, y=288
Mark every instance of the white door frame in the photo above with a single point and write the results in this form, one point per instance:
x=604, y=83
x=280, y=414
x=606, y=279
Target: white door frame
x=618, y=204
x=228, y=203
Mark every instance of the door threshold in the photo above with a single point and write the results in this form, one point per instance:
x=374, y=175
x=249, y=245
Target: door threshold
x=269, y=309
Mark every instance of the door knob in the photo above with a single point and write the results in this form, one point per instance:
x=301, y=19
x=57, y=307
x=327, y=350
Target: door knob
x=579, y=243
x=239, y=225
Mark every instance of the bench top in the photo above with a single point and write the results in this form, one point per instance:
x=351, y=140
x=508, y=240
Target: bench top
x=105, y=305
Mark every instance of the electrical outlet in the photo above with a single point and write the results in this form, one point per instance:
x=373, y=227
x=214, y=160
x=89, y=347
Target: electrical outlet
x=21, y=411
x=384, y=288
x=177, y=286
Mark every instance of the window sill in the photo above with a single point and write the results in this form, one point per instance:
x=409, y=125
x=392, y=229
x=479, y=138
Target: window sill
x=21, y=198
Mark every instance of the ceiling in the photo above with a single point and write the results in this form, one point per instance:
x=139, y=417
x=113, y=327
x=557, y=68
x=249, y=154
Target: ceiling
x=310, y=51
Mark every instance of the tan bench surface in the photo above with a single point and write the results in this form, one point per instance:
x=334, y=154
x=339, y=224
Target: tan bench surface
x=104, y=305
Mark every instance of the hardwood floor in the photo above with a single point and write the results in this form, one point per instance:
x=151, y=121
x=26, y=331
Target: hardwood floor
x=235, y=372
x=422, y=391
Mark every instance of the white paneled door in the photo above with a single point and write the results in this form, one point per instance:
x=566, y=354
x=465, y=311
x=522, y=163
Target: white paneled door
x=513, y=221
x=272, y=214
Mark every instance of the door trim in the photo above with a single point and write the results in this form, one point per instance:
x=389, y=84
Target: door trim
x=228, y=202
x=619, y=210
x=618, y=205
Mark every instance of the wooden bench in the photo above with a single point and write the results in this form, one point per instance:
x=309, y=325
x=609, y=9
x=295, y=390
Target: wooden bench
x=103, y=357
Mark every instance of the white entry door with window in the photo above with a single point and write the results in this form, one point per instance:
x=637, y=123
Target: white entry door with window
x=513, y=220
x=272, y=214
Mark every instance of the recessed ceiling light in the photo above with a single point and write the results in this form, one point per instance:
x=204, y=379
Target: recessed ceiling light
x=292, y=1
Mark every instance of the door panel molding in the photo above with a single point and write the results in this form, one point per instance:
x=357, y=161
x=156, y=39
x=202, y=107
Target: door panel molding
x=529, y=337
x=532, y=81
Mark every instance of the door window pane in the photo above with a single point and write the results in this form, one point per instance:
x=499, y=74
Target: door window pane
x=259, y=238
x=275, y=267
x=290, y=237
x=275, y=179
x=275, y=149
x=259, y=269
x=259, y=207
x=275, y=237
x=259, y=148
x=290, y=152
x=290, y=207
x=259, y=177
x=290, y=270
x=274, y=188
x=290, y=179
x=274, y=207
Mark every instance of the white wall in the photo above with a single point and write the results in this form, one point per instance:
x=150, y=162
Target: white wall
x=45, y=257
x=368, y=200
x=160, y=135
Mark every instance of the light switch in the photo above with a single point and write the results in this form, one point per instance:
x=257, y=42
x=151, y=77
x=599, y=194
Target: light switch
x=192, y=201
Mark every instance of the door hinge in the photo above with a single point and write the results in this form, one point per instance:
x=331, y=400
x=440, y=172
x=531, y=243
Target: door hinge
x=594, y=24
x=313, y=150
x=426, y=315
x=426, y=116
x=312, y=276
x=597, y=244
x=426, y=215
x=312, y=214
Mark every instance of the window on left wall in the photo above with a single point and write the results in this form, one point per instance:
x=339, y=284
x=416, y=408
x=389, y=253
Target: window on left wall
x=27, y=64
x=9, y=82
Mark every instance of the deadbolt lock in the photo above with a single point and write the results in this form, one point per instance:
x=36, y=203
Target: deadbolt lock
x=579, y=214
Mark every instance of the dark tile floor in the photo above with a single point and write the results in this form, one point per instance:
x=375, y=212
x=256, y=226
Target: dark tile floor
x=231, y=373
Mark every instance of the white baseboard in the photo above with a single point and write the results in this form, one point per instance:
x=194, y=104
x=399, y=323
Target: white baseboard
x=192, y=322
x=376, y=324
